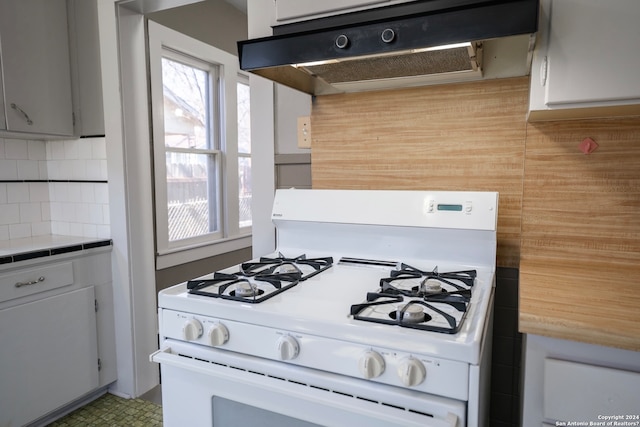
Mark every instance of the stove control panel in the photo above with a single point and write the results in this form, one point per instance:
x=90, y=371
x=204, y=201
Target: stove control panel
x=383, y=365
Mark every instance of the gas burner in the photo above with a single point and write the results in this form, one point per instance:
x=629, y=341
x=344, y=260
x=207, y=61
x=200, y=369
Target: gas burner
x=306, y=267
x=430, y=286
x=246, y=289
x=237, y=287
x=410, y=313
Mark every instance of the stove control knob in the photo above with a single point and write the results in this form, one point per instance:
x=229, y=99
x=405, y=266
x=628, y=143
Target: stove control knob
x=191, y=330
x=288, y=347
x=371, y=364
x=218, y=334
x=411, y=372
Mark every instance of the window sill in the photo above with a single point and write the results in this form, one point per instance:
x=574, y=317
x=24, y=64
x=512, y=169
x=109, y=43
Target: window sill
x=173, y=257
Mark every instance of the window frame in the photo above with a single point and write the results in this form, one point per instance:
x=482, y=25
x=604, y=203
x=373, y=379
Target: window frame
x=230, y=237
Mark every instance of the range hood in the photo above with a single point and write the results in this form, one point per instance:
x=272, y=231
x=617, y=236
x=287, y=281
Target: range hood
x=408, y=44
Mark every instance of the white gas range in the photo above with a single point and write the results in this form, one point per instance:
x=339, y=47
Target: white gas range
x=376, y=309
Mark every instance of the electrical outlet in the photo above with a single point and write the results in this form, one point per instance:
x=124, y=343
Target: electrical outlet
x=304, y=132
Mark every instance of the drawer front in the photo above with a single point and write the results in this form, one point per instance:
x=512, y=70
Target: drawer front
x=33, y=280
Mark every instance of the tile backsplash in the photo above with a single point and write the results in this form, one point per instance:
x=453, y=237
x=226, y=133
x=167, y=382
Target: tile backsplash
x=53, y=187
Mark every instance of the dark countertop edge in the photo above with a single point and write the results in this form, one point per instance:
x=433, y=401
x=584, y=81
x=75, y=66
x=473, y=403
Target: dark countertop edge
x=54, y=251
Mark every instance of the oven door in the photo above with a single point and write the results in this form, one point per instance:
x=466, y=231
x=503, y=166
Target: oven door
x=203, y=386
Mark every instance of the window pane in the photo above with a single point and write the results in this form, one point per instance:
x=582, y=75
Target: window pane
x=244, y=169
x=191, y=195
x=244, y=119
x=244, y=153
x=185, y=91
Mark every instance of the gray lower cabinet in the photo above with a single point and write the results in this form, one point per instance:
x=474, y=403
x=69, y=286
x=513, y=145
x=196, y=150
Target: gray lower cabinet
x=57, y=334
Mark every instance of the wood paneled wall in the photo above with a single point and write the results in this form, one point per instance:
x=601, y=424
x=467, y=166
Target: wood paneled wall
x=580, y=260
x=569, y=221
x=467, y=136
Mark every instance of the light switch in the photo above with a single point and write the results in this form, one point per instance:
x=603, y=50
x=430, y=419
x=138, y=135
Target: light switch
x=304, y=132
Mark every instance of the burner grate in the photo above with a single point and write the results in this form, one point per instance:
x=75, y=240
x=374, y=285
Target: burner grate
x=442, y=294
x=266, y=265
x=258, y=281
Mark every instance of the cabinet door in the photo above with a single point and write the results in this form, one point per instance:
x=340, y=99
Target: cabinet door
x=592, y=53
x=48, y=355
x=85, y=67
x=37, y=79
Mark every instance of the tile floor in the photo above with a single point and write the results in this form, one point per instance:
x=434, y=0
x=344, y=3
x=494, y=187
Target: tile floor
x=113, y=411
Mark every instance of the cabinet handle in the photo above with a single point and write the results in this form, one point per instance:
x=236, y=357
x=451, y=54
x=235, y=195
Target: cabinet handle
x=20, y=110
x=32, y=282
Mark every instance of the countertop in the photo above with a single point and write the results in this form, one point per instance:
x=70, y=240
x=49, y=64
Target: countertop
x=42, y=246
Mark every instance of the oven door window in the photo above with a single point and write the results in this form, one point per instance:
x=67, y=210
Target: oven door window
x=229, y=413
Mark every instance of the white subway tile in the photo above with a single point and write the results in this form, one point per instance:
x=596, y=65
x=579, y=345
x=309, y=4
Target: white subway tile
x=75, y=229
x=79, y=169
x=19, y=231
x=101, y=193
x=53, y=169
x=82, y=213
x=104, y=231
x=37, y=150
x=71, y=149
x=30, y=212
x=106, y=214
x=41, y=228
x=17, y=192
x=69, y=212
x=15, y=149
x=42, y=169
x=93, y=169
x=56, y=211
x=57, y=191
x=8, y=169
x=57, y=150
x=75, y=194
x=46, y=211
x=10, y=214
x=38, y=192
x=99, y=148
x=85, y=150
x=88, y=193
x=48, y=145
x=4, y=232
x=60, y=228
x=28, y=169
x=104, y=171
x=3, y=193
x=95, y=214
x=89, y=230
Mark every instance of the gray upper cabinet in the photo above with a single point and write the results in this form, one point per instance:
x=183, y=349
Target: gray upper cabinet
x=85, y=67
x=585, y=63
x=35, y=67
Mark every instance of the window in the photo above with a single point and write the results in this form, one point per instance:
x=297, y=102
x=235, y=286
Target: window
x=202, y=148
x=244, y=151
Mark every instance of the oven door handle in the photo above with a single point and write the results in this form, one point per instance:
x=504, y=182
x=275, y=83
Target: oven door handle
x=165, y=355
